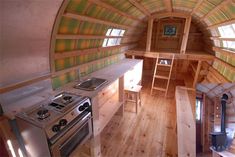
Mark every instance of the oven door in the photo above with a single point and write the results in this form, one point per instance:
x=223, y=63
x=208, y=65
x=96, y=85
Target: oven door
x=75, y=136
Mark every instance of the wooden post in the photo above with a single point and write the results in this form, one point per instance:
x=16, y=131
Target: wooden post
x=204, y=118
x=197, y=73
x=121, y=95
x=149, y=35
x=95, y=145
x=185, y=35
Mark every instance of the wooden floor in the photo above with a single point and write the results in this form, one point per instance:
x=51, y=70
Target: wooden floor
x=151, y=133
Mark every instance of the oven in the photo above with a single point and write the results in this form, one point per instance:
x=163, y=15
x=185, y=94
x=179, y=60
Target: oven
x=55, y=128
x=76, y=134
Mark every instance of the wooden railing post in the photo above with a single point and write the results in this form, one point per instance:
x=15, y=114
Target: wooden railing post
x=149, y=35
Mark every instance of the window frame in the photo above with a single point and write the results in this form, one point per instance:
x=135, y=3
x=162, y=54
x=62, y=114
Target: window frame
x=113, y=41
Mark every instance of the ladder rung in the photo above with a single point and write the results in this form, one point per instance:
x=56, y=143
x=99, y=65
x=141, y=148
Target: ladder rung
x=161, y=77
x=166, y=65
x=158, y=88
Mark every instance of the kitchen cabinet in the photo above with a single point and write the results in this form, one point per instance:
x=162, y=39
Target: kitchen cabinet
x=109, y=100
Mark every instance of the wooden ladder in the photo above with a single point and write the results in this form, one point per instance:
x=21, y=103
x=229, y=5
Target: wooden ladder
x=170, y=62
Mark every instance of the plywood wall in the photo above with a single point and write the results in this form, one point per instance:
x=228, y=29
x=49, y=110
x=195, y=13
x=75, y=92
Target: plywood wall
x=160, y=42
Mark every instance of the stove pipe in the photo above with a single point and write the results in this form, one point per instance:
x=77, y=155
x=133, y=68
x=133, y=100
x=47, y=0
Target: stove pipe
x=223, y=111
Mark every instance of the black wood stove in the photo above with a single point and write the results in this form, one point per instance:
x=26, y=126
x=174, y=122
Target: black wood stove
x=218, y=139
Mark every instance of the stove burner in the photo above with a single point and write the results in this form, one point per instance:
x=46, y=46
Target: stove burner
x=67, y=99
x=53, y=104
x=43, y=113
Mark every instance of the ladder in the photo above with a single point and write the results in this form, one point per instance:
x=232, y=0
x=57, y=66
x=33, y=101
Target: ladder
x=166, y=62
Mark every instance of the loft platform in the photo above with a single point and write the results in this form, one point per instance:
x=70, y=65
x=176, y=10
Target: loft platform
x=189, y=55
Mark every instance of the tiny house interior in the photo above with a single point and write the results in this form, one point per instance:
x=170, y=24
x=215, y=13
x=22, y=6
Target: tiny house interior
x=114, y=78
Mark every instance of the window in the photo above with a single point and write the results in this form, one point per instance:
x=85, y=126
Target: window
x=113, y=33
x=198, y=109
x=169, y=30
x=227, y=31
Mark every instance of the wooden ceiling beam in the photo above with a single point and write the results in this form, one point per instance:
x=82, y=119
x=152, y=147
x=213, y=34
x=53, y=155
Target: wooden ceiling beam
x=221, y=38
x=223, y=3
x=226, y=52
x=95, y=20
x=61, y=72
x=172, y=14
x=66, y=54
x=232, y=68
x=113, y=9
x=61, y=36
x=168, y=5
x=196, y=6
x=140, y=7
x=227, y=22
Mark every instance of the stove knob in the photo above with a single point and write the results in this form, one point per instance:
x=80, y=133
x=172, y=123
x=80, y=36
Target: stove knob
x=63, y=122
x=81, y=108
x=86, y=105
x=56, y=128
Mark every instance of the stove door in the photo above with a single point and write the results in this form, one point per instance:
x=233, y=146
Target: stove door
x=74, y=137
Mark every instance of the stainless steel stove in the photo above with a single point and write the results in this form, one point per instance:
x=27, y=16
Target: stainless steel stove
x=55, y=127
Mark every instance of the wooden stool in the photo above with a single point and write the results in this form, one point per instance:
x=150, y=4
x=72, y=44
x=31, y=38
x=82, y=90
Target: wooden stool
x=134, y=90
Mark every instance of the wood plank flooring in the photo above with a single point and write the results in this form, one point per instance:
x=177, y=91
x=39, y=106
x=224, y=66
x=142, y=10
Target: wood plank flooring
x=151, y=133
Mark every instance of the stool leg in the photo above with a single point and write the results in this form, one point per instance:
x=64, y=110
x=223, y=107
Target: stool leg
x=136, y=102
x=140, y=98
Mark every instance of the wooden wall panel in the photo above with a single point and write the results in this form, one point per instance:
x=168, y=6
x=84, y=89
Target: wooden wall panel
x=163, y=43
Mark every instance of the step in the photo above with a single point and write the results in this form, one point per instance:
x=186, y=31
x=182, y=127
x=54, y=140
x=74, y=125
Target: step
x=166, y=65
x=161, y=77
x=158, y=88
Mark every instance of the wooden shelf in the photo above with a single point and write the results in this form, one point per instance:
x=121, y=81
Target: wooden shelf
x=107, y=111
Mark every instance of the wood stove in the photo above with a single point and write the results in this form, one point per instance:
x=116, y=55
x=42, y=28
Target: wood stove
x=218, y=139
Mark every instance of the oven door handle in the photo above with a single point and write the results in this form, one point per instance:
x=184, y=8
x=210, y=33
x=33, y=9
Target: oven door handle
x=82, y=124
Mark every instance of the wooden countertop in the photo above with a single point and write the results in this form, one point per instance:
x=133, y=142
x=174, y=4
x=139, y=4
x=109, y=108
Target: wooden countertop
x=111, y=73
x=186, y=125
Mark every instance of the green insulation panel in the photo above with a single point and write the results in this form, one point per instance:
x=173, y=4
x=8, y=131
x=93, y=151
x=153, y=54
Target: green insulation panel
x=225, y=71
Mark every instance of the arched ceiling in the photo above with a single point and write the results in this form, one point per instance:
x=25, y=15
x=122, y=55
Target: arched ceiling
x=81, y=27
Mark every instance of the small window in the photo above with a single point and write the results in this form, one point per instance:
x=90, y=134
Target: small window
x=169, y=30
x=227, y=31
x=108, y=32
x=105, y=42
x=198, y=109
x=113, y=41
x=115, y=32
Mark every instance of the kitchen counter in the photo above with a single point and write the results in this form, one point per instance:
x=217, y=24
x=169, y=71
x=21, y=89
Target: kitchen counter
x=111, y=73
